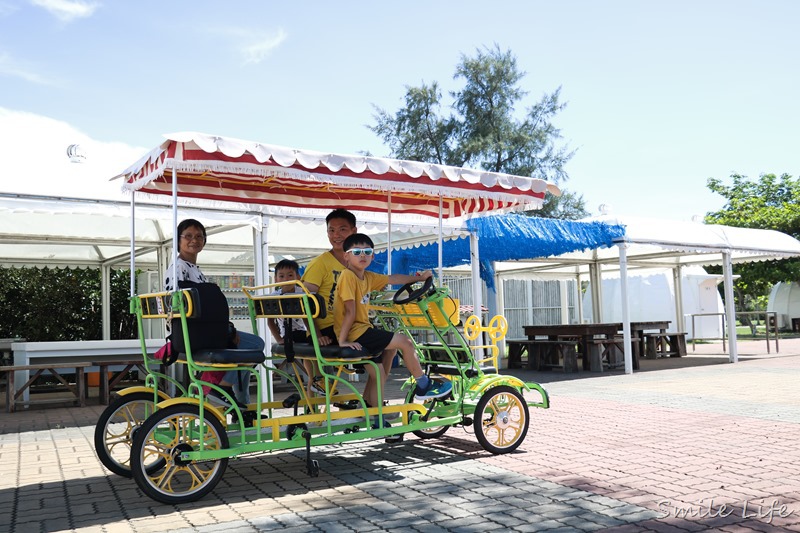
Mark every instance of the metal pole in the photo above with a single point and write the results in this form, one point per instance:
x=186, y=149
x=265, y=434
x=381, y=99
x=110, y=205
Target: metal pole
x=626, y=319
x=730, y=309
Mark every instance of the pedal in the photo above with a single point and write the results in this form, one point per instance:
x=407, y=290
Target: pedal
x=291, y=400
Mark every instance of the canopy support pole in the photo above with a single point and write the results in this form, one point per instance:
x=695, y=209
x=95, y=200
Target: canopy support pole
x=595, y=279
x=441, y=240
x=626, y=319
x=730, y=307
x=261, y=258
x=477, y=293
x=175, y=237
x=389, y=237
x=677, y=278
x=133, y=245
x=105, y=295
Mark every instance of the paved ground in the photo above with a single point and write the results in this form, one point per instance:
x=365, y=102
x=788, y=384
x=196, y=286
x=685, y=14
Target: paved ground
x=692, y=444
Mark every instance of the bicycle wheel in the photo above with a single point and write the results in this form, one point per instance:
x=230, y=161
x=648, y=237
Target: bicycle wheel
x=164, y=436
x=501, y=419
x=115, y=429
x=427, y=433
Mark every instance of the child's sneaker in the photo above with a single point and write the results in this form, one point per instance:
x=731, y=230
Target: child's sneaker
x=435, y=389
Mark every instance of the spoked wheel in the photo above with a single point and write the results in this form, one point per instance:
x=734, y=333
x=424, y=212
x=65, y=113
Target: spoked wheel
x=164, y=437
x=115, y=428
x=501, y=419
x=427, y=433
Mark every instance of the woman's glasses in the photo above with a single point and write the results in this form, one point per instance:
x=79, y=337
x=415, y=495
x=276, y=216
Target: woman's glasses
x=358, y=251
x=189, y=237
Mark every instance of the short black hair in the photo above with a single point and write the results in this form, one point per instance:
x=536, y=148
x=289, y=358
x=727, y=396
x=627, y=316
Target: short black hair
x=287, y=263
x=192, y=223
x=356, y=238
x=341, y=213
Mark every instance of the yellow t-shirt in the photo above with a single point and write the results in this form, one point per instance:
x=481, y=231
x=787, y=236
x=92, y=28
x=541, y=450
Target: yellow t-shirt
x=323, y=271
x=352, y=288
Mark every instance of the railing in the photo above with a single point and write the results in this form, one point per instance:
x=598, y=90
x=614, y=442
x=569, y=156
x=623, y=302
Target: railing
x=771, y=320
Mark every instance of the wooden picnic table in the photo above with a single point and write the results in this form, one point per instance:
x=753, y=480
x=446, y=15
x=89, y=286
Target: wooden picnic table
x=583, y=333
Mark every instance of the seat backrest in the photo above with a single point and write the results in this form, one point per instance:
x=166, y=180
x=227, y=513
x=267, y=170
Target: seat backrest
x=208, y=325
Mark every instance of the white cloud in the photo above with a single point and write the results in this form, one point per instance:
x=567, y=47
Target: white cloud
x=260, y=46
x=67, y=10
x=35, y=160
x=9, y=67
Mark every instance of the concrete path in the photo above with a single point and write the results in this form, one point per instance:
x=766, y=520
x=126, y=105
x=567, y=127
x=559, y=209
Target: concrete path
x=689, y=444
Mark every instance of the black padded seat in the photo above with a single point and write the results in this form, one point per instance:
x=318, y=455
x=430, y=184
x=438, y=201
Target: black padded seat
x=230, y=356
x=303, y=349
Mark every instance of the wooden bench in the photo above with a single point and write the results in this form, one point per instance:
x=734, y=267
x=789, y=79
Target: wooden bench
x=609, y=353
x=671, y=344
x=546, y=354
x=13, y=394
x=107, y=384
x=516, y=349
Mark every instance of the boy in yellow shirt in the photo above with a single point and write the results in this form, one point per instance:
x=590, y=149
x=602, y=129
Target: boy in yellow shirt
x=353, y=328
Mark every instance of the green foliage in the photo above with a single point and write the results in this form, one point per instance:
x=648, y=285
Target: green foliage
x=61, y=304
x=482, y=128
x=771, y=202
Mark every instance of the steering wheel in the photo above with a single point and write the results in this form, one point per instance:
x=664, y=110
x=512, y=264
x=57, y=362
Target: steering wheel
x=412, y=295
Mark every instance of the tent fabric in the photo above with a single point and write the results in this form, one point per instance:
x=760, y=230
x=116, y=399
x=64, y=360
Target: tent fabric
x=217, y=168
x=506, y=238
x=38, y=231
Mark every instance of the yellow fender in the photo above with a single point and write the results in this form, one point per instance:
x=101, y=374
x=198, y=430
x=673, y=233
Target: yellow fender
x=488, y=381
x=130, y=390
x=194, y=401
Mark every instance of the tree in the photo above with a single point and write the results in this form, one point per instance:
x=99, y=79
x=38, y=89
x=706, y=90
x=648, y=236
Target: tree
x=482, y=129
x=770, y=202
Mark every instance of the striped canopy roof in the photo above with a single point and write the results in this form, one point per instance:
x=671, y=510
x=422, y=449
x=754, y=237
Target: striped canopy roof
x=224, y=169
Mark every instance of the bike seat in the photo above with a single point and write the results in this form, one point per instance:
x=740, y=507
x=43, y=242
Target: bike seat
x=228, y=356
x=303, y=349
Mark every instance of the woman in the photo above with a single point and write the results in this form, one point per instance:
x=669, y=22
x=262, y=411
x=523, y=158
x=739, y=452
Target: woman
x=191, y=240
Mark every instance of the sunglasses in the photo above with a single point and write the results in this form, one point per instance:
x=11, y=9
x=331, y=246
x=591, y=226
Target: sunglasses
x=358, y=251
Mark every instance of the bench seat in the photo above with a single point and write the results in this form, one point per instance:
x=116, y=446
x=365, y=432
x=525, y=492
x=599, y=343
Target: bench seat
x=330, y=352
x=671, y=344
x=13, y=394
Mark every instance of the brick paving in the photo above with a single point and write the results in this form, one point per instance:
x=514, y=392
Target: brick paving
x=691, y=444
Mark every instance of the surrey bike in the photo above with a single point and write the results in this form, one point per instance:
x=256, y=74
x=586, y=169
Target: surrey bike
x=181, y=451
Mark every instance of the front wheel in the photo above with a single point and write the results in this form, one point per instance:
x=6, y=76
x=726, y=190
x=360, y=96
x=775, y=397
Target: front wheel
x=501, y=419
x=115, y=428
x=164, y=437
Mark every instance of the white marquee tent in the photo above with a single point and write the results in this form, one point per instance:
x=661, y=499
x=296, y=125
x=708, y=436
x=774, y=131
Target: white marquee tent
x=653, y=243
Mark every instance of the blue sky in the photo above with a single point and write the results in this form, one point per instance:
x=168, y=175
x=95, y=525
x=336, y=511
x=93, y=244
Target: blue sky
x=661, y=95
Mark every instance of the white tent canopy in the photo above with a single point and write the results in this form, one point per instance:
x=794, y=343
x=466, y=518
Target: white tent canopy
x=654, y=243
x=57, y=232
x=42, y=231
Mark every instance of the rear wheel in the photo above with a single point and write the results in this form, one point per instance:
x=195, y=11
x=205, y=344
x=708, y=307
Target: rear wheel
x=501, y=419
x=428, y=433
x=115, y=428
x=164, y=437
